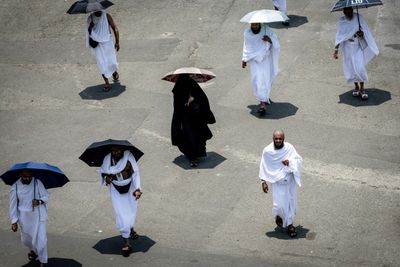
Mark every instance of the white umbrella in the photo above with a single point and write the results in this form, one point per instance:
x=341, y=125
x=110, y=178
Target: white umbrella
x=264, y=16
x=199, y=75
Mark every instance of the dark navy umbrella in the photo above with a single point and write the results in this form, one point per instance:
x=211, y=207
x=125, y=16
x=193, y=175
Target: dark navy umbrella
x=88, y=6
x=341, y=4
x=51, y=176
x=95, y=153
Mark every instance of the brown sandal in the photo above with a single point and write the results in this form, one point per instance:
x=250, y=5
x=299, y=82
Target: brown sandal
x=106, y=87
x=32, y=255
x=279, y=221
x=126, y=250
x=292, y=231
x=115, y=76
x=133, y=235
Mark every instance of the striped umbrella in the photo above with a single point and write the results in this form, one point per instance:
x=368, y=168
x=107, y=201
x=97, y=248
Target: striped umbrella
x=199, y=75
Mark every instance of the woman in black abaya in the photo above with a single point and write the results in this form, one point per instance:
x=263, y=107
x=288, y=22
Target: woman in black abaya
x=189, y=130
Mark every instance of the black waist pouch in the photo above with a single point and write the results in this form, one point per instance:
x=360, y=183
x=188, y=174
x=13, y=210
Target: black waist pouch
x=123, y=189
x=93, y=43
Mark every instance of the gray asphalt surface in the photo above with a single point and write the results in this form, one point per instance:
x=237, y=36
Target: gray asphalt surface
x=52, y=108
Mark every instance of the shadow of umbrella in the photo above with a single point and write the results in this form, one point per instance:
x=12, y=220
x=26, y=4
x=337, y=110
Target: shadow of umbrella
x=295, y=21
x=375, y=98
x=212, y=160
x=281, y=233
x=56, y=262
x=275, y=111
x=113, y=245
x=96, y=92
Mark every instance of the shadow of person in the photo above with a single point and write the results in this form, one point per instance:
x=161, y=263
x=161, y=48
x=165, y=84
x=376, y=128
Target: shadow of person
x=375, y=98
x=393, y=46
x=295, y=21
x=212, y=160
x=59, y=262
x=96, y=92
x=281, y=233
x=275, y=111
x=113, y=245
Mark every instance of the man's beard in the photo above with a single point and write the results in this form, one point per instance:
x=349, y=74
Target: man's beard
x=278, y=147
x=26, y=182
x=116, y=158
x=256, y=31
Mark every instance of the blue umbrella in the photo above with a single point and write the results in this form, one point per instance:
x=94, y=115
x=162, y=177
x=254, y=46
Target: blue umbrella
x=51, y=176
x=341, y=4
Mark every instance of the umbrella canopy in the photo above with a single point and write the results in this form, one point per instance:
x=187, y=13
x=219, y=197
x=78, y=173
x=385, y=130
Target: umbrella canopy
x=95, y=153
x=264, y=16
x=199, y=75
x=51, y=176
x=88, y=6
x=341, y=4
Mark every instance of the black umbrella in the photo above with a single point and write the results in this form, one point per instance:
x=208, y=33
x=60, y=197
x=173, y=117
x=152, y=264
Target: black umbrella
x=51, y=176
x=95, y=153
x=341, y=4
x=88, y=6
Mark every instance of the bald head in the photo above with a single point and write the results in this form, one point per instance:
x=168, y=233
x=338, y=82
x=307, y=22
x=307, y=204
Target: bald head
x=278, y=137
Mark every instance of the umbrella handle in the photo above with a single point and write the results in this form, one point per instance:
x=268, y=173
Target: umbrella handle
x=34, y=192
x=358, y=18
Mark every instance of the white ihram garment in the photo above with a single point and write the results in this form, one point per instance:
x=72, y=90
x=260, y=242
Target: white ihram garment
x=263, y=58
x=283, y=179
x=280, y=4
x=32, y=222
x=106, y=57
x=354, y=58
x=125, y=205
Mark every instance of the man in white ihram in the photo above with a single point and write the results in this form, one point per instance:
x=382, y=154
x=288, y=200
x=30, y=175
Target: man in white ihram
x=98, y=37
x=358, y=46
x=261, y=51
x=120, y=173
x=28, y=210
x=281, y=166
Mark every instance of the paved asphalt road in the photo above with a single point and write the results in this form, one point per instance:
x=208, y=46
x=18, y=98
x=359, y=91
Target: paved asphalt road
x=52, y=107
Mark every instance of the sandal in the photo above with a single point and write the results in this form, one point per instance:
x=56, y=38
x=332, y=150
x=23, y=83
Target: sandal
x=126, y=250
x=364, y=95
x=261, y=111
x=32, y=255
x=279, y=221
x=292, y=231
x=133, y=235
x=356, y=92
x=193, y=164
x=106, y=87
x=115, y=76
